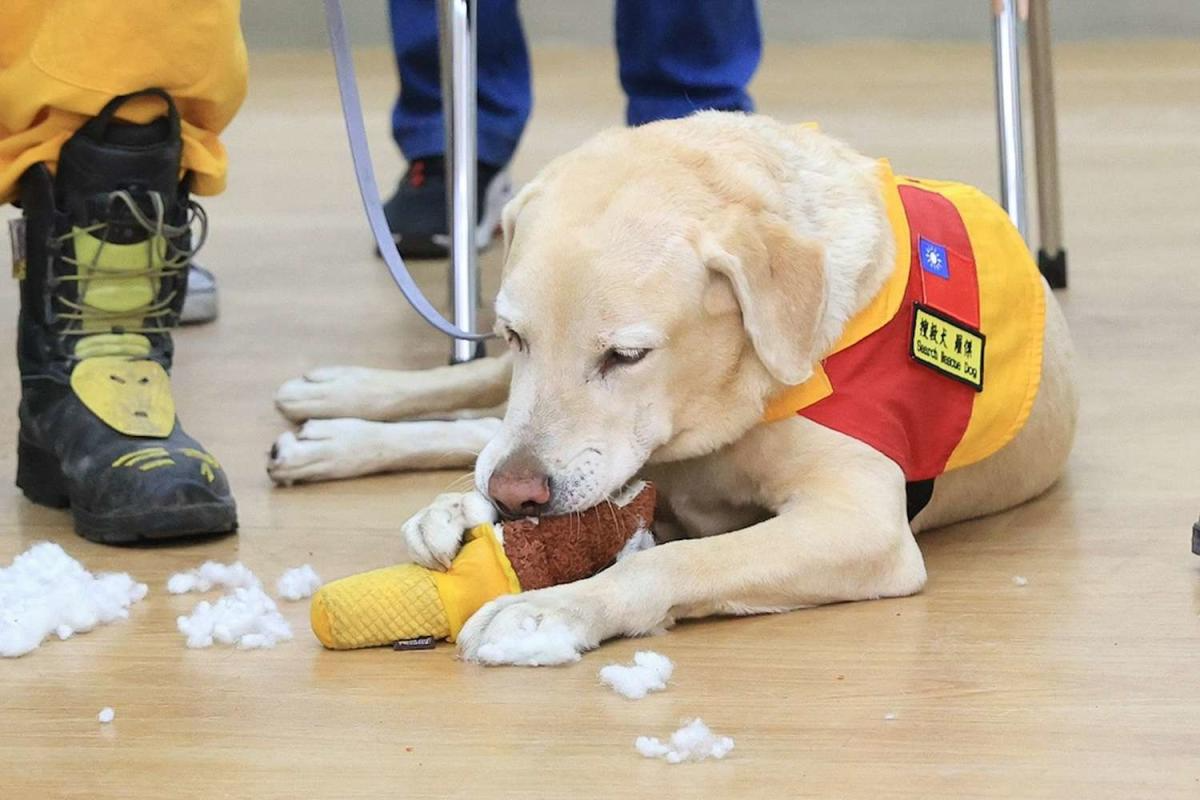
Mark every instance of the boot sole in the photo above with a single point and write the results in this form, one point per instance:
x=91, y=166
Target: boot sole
x=39, y=477
x=41, y=480
x=202, y=519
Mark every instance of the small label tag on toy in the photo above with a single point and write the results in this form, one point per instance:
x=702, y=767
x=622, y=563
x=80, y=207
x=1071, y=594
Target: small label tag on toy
x=419, y=643
x=948, y=346
x=16, y=237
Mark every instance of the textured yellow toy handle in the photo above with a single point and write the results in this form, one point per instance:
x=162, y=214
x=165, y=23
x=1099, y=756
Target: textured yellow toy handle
x=378, y=607
x=407, y=601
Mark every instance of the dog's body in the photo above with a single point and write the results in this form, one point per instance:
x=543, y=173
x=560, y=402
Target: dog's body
x=661, y=285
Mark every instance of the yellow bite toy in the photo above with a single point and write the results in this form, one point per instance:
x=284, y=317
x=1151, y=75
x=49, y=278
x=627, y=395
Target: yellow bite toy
x=408, y=602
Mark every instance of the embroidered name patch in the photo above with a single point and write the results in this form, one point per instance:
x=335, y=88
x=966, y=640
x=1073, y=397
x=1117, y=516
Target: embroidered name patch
x=948, y=346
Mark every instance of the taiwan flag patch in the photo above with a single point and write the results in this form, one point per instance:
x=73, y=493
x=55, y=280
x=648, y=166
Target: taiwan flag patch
x=933, y=258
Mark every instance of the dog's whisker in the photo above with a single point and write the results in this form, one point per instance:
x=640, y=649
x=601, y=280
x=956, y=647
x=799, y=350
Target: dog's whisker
x=612, y=510
x=466, y=479
x=466, y=451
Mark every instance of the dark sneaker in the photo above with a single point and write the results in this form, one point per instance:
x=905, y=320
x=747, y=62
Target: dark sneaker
x=108, y=244
x=416, y=213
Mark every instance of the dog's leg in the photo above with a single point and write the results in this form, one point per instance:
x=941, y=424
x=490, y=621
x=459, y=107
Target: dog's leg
x=328, y=449
x=847, y=538
x=393, y=395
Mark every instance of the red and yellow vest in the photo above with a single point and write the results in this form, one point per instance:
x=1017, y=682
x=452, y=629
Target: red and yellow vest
x=941, y=368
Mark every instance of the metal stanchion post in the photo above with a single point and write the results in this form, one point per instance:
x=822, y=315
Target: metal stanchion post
x=1052, y=256
x=1008, y=113
x=456, y=23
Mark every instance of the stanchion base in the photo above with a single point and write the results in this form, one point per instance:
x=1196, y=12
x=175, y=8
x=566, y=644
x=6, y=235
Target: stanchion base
x=1054, y=268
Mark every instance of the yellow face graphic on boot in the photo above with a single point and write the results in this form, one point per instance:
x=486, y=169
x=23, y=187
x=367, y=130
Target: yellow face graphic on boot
x=131, y=396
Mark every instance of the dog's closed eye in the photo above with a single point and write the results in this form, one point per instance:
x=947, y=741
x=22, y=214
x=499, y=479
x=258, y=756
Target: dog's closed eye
x=622, y=357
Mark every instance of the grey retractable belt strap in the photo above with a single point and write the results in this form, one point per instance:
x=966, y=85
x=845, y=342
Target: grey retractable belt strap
x=364, y=174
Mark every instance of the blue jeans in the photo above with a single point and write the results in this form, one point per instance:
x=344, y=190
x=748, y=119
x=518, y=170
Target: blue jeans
x=677, y=56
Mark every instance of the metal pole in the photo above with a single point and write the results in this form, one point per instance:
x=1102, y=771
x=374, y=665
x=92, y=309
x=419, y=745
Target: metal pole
x=1008, y=111
x=456, y=22
x=1051, y=254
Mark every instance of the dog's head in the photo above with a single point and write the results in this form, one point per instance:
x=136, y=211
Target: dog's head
x=656, y=290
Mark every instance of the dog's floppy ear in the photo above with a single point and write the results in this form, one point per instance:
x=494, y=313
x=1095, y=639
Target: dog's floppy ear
x=512, y=209
x=778, y=279
x=508, y=220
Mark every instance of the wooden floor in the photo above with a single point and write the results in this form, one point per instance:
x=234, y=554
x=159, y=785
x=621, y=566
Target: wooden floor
x=1085, y=683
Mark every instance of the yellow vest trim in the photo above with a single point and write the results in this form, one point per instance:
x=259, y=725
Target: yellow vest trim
x=1012, y=314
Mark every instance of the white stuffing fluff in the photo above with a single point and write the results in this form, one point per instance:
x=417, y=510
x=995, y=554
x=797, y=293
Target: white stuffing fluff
x=649, y=672
x=106, y=715
x=641, y=540
x=298, y=583
x=1019, y=580
x=45, y=591
x=210, y=574
x=693, y=742
x=247, y=618
x=889, y=716
x=544, y=645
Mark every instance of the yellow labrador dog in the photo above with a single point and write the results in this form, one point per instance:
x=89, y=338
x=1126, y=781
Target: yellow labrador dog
x=661, y=286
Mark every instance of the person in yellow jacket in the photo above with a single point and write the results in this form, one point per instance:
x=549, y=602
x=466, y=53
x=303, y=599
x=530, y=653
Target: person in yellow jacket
x=110, y=115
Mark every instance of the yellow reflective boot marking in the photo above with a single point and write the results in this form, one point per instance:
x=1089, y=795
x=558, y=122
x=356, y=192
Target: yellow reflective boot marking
x=129, y=345
x=149, y=458
x=130, y=459
x=118, y=286
x=116, y=278
x=132, y=396
x=207, y=462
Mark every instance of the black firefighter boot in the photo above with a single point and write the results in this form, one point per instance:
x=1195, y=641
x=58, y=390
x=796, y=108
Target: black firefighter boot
x=108, y=242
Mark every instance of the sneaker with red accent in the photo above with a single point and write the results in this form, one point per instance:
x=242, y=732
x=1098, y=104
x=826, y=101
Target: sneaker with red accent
x=416, y=213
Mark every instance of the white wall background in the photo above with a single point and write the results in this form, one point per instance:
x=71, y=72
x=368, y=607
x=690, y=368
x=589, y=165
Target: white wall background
x=300, y=23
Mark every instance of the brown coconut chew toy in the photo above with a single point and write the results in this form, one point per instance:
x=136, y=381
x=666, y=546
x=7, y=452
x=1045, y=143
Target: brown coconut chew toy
x=408, y=603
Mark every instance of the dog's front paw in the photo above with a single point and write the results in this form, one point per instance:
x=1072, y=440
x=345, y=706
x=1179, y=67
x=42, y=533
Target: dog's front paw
x=532, y=629
x=434, y=534
x=326, y=450
x=328, y=392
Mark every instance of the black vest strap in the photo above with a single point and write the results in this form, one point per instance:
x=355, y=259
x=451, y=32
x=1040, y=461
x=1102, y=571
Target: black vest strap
x=919, y=494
